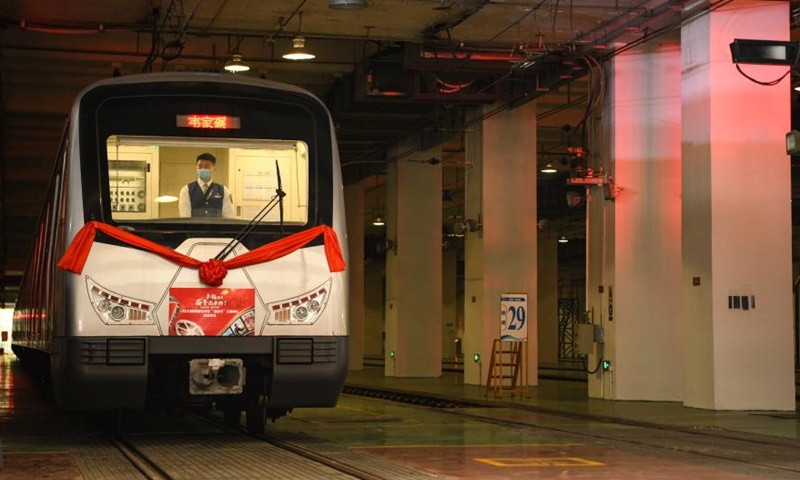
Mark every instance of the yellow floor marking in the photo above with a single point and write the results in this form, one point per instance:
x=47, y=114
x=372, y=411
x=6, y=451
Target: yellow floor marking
x=540, y=462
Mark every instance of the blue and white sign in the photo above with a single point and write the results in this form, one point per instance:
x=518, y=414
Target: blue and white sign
x=514, y=317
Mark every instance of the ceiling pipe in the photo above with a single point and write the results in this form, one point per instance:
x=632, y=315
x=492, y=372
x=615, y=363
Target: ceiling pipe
x=114, y=54
x=469, y=55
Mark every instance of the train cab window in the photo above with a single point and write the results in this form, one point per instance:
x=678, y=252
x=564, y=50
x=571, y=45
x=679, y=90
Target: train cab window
x=157, y=178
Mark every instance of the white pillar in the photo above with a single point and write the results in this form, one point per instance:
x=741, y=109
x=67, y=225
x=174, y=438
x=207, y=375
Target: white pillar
x=639, y=306
x=414, y=267
x=736, y=216
x=474, y=342
x=599, y=268
x=449, y=307
x=505, y=250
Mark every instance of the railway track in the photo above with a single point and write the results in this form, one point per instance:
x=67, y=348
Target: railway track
x=149, y=469
x=772, y=455
x=195, y=454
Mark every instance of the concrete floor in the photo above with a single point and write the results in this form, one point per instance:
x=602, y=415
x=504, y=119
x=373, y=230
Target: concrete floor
x=549, y=431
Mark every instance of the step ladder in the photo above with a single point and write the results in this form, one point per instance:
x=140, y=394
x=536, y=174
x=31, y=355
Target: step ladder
x=507, y=367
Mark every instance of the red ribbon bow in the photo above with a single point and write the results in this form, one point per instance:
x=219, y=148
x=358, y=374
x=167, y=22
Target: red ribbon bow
x=213, y=271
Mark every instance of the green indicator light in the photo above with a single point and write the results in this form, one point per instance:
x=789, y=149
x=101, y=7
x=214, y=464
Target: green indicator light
x=391, y=354
x=606, y=365
x=476, y=357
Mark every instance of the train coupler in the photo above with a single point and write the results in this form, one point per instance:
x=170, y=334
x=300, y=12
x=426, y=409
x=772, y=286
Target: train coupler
x=216, y=376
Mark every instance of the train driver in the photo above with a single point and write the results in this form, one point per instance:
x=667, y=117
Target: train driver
x=204, y=197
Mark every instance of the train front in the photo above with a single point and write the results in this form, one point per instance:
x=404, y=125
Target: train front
x=206, y=254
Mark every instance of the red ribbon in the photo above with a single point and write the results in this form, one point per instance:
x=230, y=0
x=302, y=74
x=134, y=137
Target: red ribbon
x=213, y=271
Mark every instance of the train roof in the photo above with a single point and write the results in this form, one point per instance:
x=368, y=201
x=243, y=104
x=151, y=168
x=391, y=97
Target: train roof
x=141, y=78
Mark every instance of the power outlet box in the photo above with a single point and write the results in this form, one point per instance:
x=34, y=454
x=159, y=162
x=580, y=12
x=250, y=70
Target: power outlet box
x=584, y=341
x=587, y=336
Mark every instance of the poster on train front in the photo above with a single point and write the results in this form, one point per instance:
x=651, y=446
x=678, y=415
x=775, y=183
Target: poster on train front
x=211, y=311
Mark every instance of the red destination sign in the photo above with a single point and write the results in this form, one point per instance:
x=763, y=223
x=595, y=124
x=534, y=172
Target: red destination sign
x=213, y=122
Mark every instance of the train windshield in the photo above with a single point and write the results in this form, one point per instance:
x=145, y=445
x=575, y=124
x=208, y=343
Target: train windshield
x=191, y=179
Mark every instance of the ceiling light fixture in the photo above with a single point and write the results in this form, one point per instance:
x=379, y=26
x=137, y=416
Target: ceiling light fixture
x=563, y=239
x=299, y=51
x=348, y=4
x=235, y=65
x=548, y=169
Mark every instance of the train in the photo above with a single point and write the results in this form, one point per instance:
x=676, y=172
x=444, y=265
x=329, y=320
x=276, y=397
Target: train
x=132, y=301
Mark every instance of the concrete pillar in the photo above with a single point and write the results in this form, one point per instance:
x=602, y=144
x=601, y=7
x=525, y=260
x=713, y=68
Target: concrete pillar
x=637, y=294
x=474, y=342
x=449, y=307
x=599, y=251
x=414, y=266
x=736, y=216
x=354, y=205
x=501, y=257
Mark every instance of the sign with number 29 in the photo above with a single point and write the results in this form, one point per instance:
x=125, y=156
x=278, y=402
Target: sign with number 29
x=514, y=316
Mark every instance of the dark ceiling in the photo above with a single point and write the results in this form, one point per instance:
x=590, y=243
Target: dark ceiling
x=396, y=70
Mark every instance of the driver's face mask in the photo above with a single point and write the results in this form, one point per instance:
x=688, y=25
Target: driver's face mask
x=204, y=175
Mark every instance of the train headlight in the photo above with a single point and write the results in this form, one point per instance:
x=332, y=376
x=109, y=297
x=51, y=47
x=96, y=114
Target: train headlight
x=116, y=309
x=103, y=305
x=117, y=312
x=303, y=309
x=300, y=313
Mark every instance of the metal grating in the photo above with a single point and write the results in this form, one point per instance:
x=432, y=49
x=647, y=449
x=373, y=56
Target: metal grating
x=94, y=351
x=295, y=351
x=113, y=351
x=126, y=351
x=304, y=351
x=326, y=350
x=568, y=306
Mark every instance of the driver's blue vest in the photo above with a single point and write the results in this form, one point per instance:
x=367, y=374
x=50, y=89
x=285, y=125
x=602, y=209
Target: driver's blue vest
x=206, y=205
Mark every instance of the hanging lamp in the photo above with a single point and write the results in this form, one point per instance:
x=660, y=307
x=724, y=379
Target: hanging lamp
x=235, y=65
x=299, y=50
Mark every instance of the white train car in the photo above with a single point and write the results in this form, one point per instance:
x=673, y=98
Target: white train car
x=131, y=301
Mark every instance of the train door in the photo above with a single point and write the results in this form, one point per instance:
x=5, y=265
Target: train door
x=132, y=173
x=256, y=180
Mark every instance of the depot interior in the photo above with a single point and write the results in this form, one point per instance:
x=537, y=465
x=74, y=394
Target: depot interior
x=383, y=87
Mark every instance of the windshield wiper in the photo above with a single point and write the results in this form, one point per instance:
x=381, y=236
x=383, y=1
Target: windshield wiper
x=275, y=200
